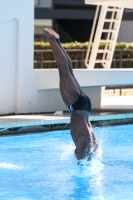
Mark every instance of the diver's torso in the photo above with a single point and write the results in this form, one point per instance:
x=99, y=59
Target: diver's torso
x=80, y=126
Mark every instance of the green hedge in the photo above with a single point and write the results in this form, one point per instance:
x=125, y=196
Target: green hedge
x=78, y=56
x=79, y=45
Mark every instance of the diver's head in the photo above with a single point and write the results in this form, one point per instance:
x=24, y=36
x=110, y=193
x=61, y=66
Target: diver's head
x=86, y=154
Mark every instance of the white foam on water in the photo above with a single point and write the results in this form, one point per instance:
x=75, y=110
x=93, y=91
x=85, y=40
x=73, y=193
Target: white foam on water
x=93, y=167
x=6, y=165
x=67, y=150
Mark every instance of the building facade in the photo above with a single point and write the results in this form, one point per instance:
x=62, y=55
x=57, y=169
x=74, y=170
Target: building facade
x=73, y=19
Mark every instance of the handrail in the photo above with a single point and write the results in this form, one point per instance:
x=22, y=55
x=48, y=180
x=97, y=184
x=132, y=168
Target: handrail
x=79, y=63
x=91, y=37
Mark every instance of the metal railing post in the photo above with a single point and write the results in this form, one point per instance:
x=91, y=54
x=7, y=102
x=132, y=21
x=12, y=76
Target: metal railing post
x=39, y=59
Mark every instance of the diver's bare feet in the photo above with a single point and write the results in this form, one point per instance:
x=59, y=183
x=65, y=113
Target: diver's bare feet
x=55, y=34
x=50, y=34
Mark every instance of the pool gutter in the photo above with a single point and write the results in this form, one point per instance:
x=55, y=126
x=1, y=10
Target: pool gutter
x=22, y=124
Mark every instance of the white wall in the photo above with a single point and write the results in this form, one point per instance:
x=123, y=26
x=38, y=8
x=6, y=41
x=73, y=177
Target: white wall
x=8, y=65
x=48, y=84
x=86, y=77
x=51, y=100
x=25, y=90
x=17, y=82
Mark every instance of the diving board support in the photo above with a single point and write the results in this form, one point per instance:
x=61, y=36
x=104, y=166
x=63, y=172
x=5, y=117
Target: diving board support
x=91, y=35
x=114, y=36
x=111, y=36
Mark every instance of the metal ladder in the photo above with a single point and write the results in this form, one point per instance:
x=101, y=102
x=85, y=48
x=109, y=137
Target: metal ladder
x=111, y=32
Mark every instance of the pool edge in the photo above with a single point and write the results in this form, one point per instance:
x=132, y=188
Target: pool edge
x=39, y=123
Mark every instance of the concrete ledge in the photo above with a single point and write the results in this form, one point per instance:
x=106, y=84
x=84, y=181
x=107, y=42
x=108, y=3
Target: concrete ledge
x=111, y=117
x=32, y=129
x=21, y=124
x=86, y=77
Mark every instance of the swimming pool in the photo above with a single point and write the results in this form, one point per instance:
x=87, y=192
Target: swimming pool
x=42, y=166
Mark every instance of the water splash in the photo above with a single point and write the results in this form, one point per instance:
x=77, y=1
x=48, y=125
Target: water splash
x=6, y=165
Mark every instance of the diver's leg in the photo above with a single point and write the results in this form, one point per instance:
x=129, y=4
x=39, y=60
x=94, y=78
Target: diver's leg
x=71, y=68
x=95, y=143
x=68, y=87
x=68, y=59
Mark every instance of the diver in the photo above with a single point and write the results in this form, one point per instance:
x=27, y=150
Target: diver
x=75, y=99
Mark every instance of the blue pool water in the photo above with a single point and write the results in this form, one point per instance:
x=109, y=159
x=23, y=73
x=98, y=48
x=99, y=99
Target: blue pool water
x=42, y=166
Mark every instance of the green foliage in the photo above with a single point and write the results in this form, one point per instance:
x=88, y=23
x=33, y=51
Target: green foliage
x=130, y=45
x=77, y=55
x=121, y=45
x=79, y=45
x=42, y=45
